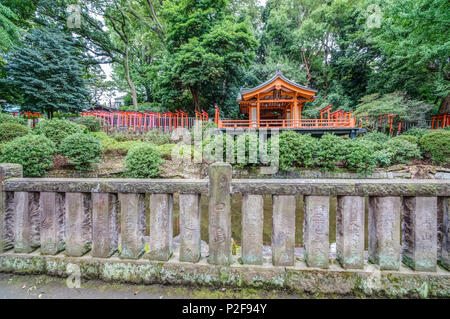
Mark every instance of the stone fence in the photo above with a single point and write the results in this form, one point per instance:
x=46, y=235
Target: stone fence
x=99, y=224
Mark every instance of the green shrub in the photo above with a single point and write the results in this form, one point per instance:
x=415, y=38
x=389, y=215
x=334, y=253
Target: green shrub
x=166, y=150
x=90, y=122
x=360, y=156
x=157, y=138
x=331, y=149
x=296, y=150
x=143, y=161
x=57, y=129
x=34, y=152
x=437, y=146
x=419, y=132
x=376, y=137
x=410, y=138
x=111, y=146
x=382, y=158
x=402, y=151
x=124, y=137
x=83, y=150
x=6, y=118
x=9, y=131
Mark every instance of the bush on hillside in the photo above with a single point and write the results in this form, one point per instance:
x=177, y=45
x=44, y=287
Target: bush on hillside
x=57, y=130
x=9, y=131
x=419, y=132
x=436, y=145
x=33, y=152
x=410, y=138
x=402, y=151
x=90, y=122
x=376, y=137
x=331, y=149
x=143, y=161
x=83, y=150
x=6, y=118
x=360, y=156
x=297, y=150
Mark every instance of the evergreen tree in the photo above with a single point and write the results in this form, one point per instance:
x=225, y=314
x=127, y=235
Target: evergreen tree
x=47, y=71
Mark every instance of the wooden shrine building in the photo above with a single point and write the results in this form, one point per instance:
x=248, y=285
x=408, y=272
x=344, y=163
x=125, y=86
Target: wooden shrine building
x=278, y=103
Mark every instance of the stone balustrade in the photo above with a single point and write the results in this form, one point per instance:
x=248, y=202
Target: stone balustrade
x=408, y=220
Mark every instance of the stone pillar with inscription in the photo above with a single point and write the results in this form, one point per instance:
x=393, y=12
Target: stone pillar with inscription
x=219, y=208
x=132, y=225
x=443, y=251
x=26, y=222
x=161, y=227
x=78, y=223
x=350, y=232
x=283, y=230
x=52, y=222
x=316, y=231
x=384, y=232
x=105, y=226
x=190, y=218
x=252, y=229
x=7, y=206
x=419, y=233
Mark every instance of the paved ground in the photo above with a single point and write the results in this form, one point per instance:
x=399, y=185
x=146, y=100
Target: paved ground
x=45, y=287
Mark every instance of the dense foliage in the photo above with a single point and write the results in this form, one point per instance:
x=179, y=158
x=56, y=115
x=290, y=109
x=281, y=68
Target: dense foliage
x=57, y=129
x=33, y=152
x=9, y=131
x=90, y=122
x=143, y=161
x=436, y=145
x=83, y=150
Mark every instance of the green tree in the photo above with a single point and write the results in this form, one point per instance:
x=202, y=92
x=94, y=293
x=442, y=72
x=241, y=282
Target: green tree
x=47, y=70
x=9, y=31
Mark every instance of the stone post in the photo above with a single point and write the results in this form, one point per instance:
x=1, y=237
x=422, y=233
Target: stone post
x=105, y=225
x=132, y=223
x=78, y=224
x=419, y=233
x=316, y=231
x=190, y=217
x=7, y=206
x=26, y=222
x=52, y=222
x=444, y=232
x=384, y=232
x=252, y=229
x=220, y=214
x=283, y=230
x=350, y=231
x=161, y=227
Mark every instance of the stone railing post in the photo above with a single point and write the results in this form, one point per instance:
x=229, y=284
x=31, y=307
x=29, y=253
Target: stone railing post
x=26, y=222
x=190, y=218
x=132, y=225
x=52, y=222
x=283, y=230
x=78, y=224
x=316, y=231
x=220, y=214
x=161, y=227
x=384, y=232
x=350, y=232
x=444, y=232
x=419, y=233
x=7, y=206
x=104, y=224
x=252, y=229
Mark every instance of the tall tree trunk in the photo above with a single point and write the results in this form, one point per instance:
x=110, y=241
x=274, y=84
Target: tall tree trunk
x=196, y=97
x=130, y=81
x=445, y=105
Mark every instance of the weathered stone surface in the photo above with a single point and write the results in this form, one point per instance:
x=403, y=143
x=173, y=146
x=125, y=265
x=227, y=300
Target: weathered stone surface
x=26, y=222
x=219, y=209
x=350, y=231
x=384, y=232
x=419, y=233
x=7, y=206
x=444, y=232
x=78, y=224
x=132, y=225
x=52, y=207
x=319, y=187
x=283, y=230
x=316, y=231
x=161, y=227
x=105, y=226
x=190, y=218
x=252, y=229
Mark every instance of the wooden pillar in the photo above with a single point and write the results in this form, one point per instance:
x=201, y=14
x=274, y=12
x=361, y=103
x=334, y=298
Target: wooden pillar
x=258, y=110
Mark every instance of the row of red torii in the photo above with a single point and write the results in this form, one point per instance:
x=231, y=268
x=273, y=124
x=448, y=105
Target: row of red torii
x=143, y=122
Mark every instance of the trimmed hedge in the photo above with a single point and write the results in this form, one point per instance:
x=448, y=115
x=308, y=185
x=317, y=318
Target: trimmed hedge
x=9, y=131
x=143, y=161
x=83, y=150
x=331, y=149
x=57, y=130
x=6, y=118
x=437, y=146
x=402, y=150
x=33, y=152
x=297, y=150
